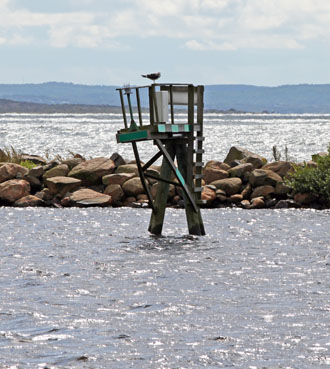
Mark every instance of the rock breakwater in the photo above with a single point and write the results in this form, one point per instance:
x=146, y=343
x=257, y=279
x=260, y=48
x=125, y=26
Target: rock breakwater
x=243, y=179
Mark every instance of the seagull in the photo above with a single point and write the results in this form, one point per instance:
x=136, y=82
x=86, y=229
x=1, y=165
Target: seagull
x=152, y=76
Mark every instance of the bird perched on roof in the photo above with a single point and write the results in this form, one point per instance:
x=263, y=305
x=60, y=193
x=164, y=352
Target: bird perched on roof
x=152, y=76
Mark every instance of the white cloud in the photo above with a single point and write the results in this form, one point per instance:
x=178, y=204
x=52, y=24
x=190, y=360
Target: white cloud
x=211, y=45
x=199, y=24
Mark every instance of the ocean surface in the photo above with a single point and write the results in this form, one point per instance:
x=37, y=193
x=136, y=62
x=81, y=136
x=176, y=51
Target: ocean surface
x=94, y=134
x=90, y=288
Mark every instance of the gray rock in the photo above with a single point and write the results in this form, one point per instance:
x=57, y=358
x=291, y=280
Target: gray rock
x=115, y=191
x=133, y=187
x=117, y=178
x=263, y=191
x=230, y=185
x=117, y=159
x=240, y=170
x=282, y=168
x=257, y=161
x=90, y=172
x=59, y=171
x=128, y=168
x=62, y=185
x=37, y=171
x=87, y=198
x=262, y=177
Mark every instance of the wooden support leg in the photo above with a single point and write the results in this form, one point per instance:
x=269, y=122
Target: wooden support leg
x=194, y=219
x=157, y=216
x=177, y=173
x=142, y=177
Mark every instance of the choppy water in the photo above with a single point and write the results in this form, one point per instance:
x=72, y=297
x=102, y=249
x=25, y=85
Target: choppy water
x=91, y=289
x=94, y=134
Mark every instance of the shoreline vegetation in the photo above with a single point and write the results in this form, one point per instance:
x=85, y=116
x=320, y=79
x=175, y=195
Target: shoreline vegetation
x=243, y=179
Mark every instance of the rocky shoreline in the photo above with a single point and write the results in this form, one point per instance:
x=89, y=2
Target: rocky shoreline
x=243, y=179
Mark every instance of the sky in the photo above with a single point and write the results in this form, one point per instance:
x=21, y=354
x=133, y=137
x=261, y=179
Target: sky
x=108, y=42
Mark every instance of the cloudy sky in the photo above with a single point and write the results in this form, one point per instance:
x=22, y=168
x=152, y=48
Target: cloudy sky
x=259, y=42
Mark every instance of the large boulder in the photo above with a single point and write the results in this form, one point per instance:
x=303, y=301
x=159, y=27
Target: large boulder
x=86, y=197
x=29, y=201
x=37, y=171
x=90, y=172
x=239, y=153
x=262, y=177
x=14, y=189
x=117, y=178
x=133, y=187
x=280, y=167
x=115, y=191
x=217, y=165
x=257, y=161
x=11, y=170
x=240, y=170
x=282, y=189
x=117, y=159
x=128, y=168
x=59, y=171
x=263, y=191
x=211, y=174
x=62, y=185
x=230, y=185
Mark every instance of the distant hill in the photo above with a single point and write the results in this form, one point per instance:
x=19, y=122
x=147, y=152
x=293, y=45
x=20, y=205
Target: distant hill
x=302, y=98
x=10, y=106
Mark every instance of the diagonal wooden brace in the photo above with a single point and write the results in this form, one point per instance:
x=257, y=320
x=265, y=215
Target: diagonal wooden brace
x=177, y=174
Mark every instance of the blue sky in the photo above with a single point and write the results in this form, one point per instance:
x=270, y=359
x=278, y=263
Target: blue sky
x=259, y=42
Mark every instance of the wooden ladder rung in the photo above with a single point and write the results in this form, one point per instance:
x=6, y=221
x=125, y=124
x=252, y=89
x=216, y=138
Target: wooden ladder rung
x=198, y=164
x=198, y=176
x=198, y=189
x=199, y=138
x=199, y=151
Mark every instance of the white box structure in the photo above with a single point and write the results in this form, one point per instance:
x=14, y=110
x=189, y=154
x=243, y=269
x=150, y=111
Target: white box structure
x=162, y=106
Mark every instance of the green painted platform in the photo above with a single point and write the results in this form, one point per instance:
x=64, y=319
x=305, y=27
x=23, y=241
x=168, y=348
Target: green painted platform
x=148, y=132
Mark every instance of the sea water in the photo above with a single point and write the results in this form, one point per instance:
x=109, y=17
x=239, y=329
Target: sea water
x=94, y=134
x=90, y=288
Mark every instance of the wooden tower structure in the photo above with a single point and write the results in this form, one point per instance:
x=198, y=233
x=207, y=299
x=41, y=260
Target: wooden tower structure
x=175, y=139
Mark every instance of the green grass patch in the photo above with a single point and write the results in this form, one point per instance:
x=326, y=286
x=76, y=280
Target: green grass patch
x=27, y=164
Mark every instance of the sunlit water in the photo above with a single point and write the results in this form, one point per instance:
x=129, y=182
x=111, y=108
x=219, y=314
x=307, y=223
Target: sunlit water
x=90, y=288
x=94, y=134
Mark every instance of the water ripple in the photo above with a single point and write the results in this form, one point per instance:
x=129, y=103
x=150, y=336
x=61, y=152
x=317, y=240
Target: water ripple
x=94, y=134
x=79, y=290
